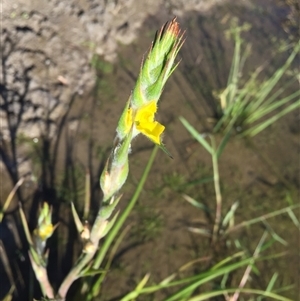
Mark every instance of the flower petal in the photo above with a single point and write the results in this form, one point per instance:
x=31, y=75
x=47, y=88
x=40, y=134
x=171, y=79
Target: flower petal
x=152, y=130
x=145, y=123
x=146, y=113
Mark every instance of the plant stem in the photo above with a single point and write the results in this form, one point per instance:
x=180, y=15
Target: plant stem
x=120, y=221
x=217, y=190
x=74, y=274
x=85, y=258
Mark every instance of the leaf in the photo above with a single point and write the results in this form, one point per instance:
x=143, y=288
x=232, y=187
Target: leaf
x=196, y=135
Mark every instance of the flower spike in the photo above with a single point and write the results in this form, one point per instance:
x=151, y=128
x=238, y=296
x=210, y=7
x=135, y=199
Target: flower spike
x=139, y=112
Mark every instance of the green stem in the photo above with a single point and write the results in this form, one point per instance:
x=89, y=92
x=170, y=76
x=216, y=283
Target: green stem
x=119, y=223
x=74, y=274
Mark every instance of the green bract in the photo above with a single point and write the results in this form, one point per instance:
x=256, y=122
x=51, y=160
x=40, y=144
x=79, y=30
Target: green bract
x=155, y=71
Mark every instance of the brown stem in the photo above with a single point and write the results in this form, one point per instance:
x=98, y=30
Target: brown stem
x=217, y=192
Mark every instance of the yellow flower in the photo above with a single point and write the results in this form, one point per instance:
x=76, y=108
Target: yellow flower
x=144, y=122
x=44, y=227
x=45, y=231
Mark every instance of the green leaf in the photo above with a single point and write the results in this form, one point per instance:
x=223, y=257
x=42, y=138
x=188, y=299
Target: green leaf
x=78, y=223
x=195, y=203
x=196, y=134
x=93, y=272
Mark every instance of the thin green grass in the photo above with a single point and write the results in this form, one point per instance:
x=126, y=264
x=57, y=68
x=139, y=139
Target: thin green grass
x=193, y=283
x=225, y=225
x=251, y=107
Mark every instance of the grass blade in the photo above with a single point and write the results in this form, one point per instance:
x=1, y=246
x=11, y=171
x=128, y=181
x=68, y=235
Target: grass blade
x=269, y=108
x=208, y=276
x=206, y=296
x=257, y=129
x=196, y=134
x=268, y=85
